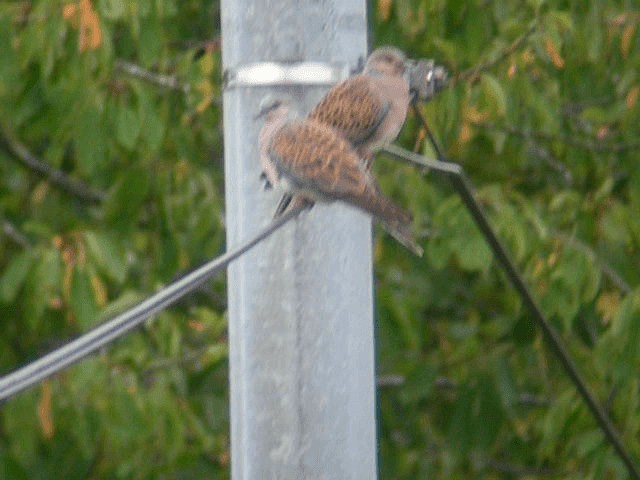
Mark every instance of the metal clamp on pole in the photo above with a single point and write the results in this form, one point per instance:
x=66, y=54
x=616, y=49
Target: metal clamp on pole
x=264, y=74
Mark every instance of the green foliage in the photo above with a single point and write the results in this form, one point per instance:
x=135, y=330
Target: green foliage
x=542, y=114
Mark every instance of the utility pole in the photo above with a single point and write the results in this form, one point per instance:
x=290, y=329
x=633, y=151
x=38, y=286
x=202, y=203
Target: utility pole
x=301, y=343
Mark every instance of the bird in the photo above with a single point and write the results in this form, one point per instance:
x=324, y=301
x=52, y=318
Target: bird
x=316, y=164
x=370, y=108
x=367, y=109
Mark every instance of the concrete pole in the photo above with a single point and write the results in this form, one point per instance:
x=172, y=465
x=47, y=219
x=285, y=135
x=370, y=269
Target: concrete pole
x=301, y=304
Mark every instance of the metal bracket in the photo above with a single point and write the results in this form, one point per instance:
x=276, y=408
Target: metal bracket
x=262, y=74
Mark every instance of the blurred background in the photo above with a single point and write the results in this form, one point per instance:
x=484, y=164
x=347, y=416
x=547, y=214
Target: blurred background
x=111, y=185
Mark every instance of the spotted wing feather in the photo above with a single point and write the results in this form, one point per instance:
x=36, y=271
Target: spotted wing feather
x=318, y=162
x=354, y=108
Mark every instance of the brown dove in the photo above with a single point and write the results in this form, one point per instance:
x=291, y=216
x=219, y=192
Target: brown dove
x=311, y=160
x=369, y=109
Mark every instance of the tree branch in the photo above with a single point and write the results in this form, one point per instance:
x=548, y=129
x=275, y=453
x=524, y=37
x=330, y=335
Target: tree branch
x=606, y=268
x=444, y=383
x=12, y=232
x=585, y=144
x=473, y=72
x=166, y=81
x=57, y=177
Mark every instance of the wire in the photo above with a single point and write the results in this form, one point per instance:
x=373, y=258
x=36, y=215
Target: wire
x=109, y=331
x=464, y=189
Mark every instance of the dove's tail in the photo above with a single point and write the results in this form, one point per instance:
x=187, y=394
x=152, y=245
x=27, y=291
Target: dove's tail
x=382, y=208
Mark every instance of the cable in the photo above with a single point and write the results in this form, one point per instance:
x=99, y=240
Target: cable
x=109, y=331
x=464, y=189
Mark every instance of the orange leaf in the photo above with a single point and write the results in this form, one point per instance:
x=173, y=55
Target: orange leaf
x=603, y=132
x=627, y=37
x=197, y=326
x=44, y=411
x=632, y=97
x=90, y=32
x=619, y=20
x=69, y=12
x=512, y=70
x=556, y=58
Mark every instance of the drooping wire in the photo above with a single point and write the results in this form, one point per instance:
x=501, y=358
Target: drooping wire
x=111, y=330
x=464, y=189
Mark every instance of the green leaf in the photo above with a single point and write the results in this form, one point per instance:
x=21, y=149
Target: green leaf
x=150, y=41
x=82, y=299
x=113, y=9
x=90, y=141
x=214, y=354
x=107, y=254
x=489, y=416
x=14, y=275
x=43, y=284
x=495, y=93
x=504, y=378
x=123, y=204
x=419, y=383
x=153, y=125
x=128, y=126
x=460, y=429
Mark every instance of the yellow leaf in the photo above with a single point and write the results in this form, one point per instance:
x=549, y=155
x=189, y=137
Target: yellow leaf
x=207, y=64
x=204, y=103
x=555, y=56
x=40, y=192
x=473, y=115
x=607, y=305
x=66, y=281
x=632, y=97
x=466, y=133
x=627, y=37
x=99, y=290
x=528, y=57
x=44, y=411
x=384, y=7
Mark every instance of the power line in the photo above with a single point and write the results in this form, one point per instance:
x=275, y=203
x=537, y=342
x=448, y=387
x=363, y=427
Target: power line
x=111, y=330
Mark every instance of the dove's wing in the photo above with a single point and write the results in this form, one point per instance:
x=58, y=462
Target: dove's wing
x=354, y=108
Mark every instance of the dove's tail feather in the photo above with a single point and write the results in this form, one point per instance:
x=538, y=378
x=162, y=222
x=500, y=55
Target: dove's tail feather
x=404, y=236
x=382, y=208
x=288, y=202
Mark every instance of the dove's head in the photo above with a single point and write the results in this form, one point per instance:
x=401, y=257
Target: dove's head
x=274, y=107
x=386, y=61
